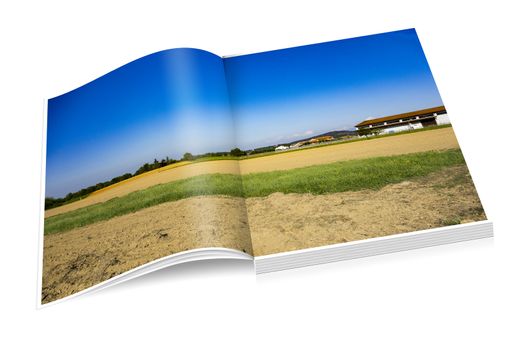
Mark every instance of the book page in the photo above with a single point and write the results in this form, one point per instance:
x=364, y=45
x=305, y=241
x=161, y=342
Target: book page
x=346, y=140
x=140, y=165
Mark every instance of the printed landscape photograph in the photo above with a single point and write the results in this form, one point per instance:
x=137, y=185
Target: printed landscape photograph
x=262, y=153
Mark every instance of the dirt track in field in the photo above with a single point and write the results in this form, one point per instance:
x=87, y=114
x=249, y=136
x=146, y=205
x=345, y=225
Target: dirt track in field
x=399, y=144
x=80, y=258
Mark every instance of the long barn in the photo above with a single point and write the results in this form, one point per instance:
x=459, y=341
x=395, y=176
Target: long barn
x=405, y=121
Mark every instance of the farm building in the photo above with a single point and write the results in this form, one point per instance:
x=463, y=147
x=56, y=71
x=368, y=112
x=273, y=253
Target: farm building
x=405, y=121
x=281, y=148
x=313, y=141
x=319, y=139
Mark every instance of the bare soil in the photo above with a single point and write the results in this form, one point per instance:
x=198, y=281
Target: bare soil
x=284, y=222
x=80, y=258
x=437, y=139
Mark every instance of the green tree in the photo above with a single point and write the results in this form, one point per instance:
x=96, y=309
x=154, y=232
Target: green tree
x=237, y=152
x=368, y=131
x=187, y=156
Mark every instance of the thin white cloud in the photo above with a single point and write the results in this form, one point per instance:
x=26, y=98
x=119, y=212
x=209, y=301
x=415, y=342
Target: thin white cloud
x=305, y=133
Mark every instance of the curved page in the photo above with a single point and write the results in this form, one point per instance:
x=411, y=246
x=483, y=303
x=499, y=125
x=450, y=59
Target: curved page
x=140, y=165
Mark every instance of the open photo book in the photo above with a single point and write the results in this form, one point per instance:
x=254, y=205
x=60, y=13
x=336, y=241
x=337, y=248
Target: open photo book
x=289, y=158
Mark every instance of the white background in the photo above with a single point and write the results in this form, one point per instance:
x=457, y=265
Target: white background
x=463, y=296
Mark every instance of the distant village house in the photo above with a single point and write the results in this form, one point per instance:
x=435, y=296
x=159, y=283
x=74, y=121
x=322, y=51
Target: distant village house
x=321, y=139
x=313, y=141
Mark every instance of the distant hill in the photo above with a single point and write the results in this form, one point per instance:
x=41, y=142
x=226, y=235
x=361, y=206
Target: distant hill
x=336, y=134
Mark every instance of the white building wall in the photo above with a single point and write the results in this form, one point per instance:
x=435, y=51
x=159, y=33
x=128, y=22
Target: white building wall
x=400, y=128
x=415, y=126
x=443, y=119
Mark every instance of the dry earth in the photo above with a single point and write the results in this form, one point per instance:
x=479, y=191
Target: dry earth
x=80, y=258
x=284, y=222
x=83, y=257
x=436, y=139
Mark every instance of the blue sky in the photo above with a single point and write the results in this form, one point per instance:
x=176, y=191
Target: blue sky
x=164, y=104
x=283, y=95
x=177, y=101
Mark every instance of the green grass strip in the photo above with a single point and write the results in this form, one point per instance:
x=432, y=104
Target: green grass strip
x=352, y=175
